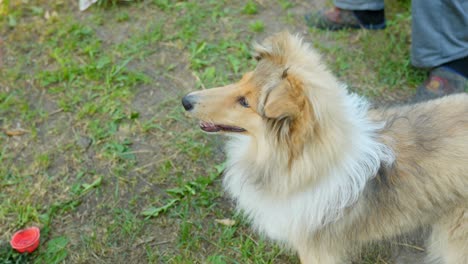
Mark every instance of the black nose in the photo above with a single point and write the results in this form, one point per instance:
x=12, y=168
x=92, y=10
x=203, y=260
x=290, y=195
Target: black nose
x=187, y=102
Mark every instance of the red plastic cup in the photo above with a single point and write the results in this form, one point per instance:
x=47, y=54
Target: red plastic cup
x=26, y=240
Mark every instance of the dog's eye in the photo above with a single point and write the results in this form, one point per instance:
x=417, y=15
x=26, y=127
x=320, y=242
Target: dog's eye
x=242, y=101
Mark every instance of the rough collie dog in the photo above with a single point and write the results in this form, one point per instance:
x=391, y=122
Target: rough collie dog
x=316, y=169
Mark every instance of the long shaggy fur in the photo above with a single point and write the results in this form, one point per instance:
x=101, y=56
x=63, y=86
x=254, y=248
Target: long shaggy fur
x=318, y=171
x=313, y=205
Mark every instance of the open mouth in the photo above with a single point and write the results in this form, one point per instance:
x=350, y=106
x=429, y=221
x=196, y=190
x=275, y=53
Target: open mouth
x=211, y=128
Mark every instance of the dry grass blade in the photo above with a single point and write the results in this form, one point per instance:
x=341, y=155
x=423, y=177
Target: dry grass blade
x=225, y=222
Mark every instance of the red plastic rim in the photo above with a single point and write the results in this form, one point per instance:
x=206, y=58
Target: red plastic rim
x=26, y=240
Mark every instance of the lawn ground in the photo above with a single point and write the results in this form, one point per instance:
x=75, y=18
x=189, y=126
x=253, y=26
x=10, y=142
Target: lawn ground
x=95, y=148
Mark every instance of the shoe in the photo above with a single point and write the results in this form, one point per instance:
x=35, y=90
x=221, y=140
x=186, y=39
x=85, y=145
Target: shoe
x=441, y=81
x=338, y=19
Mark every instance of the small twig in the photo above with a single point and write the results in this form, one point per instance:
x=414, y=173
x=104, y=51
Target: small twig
x=144, y=241
x=163, y=242
x=149, y=240
x=139, y=151
x=56, y=111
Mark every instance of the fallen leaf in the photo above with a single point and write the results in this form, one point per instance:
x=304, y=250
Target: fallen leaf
x=15, y=132
x=225, y=222
x=84, y=4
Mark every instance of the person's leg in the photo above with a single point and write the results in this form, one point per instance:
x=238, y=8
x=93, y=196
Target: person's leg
x=440, y=42
x=367, y=14
x=439, y=32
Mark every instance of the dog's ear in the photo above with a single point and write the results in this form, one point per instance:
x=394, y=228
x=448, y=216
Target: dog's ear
x=286, y=100
x=260, y=51
x=278, y=104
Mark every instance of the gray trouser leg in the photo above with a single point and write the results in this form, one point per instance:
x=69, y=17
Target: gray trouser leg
x=439, y=31
x=360, y=4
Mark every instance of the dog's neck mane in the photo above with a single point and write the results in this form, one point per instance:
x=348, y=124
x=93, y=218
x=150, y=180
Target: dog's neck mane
x=329, y=176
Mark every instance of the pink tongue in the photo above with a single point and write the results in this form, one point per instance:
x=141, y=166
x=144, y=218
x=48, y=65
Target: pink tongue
x=208, y=127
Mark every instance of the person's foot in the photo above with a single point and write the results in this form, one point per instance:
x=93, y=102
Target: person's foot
x=441, y=81
x=337, y=19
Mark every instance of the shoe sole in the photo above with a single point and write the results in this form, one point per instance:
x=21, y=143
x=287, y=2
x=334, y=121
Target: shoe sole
x=335, y=26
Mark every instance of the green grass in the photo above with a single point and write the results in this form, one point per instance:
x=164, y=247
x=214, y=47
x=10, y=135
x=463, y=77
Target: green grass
x=250, y=8
x=108, y=166
x=257, y=26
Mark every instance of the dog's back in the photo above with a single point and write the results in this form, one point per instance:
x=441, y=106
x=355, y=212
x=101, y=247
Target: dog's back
x=429, y=180
x=427, y=185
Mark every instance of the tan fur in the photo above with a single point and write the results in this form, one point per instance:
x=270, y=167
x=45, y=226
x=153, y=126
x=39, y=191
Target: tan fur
x=304, y=131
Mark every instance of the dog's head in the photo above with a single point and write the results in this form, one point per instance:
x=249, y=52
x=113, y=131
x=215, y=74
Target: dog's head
x=275, y=98
x=296, y=114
